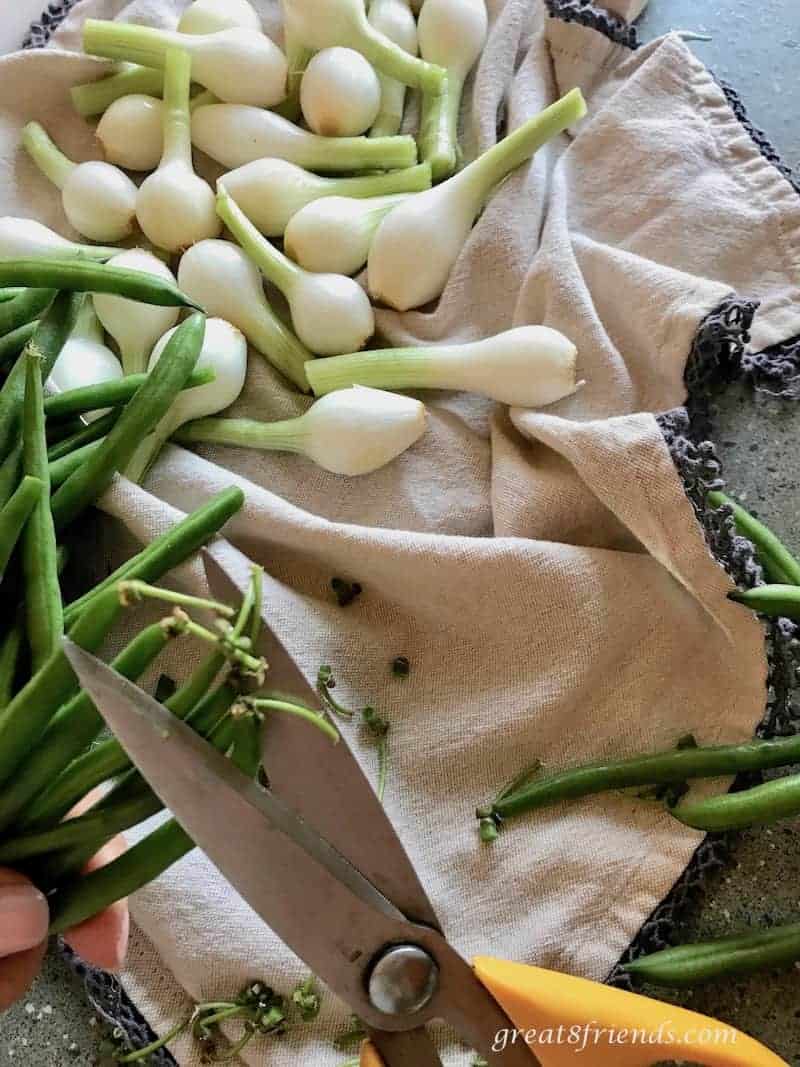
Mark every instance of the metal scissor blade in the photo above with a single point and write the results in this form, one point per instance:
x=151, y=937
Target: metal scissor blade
x=305, y=890
x=299, y=884
x=325, y=783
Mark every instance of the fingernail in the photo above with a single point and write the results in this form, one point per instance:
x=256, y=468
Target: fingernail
x=23, y=918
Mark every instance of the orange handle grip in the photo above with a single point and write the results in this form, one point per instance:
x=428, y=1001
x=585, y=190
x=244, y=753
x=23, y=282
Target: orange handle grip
x=568, y=1021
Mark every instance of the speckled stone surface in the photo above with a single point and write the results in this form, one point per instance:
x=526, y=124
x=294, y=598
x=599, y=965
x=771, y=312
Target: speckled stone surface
x=756, y=47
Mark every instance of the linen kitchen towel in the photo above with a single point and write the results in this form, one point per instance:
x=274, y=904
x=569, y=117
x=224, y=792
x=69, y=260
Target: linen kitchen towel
x=544, y=572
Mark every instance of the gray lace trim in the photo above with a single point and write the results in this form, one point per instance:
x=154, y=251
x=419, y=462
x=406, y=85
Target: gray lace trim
x=718, y=356
x=40, y=32
x=587, y=14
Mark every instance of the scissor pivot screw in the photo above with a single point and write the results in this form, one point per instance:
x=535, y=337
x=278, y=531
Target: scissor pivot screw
x=403, y=980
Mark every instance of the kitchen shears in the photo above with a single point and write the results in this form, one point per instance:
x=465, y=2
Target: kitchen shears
x=316, y=841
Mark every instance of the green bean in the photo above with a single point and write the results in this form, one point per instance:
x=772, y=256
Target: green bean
x=661, y=768
x=61, y=469
x=12, y=344
x=171, y=548
x=247, y=742
x=44, y=610
x=24, y=308
x=93, y=828
x=9, y=658
x=109, y=394
x=50, y=337
x=779, y=563
x=15, y=514
x=212, y=722
x=140, y=416
x=74, y=726
x=86, y=896
x=83, y=897
x=9, y=294
x=25, y=719
x=93, y=98
x=61, y=429
x=83, y=276
x=760, y=806
x=689, y=965
x=11, y=473
x=77, y=774
x=88, y=433
x=772, y=600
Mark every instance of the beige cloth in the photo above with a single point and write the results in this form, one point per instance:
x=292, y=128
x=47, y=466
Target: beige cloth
x=543, y=571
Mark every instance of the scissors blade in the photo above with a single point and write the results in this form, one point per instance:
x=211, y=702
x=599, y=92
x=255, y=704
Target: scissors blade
x=310, y=895
x=323, y=783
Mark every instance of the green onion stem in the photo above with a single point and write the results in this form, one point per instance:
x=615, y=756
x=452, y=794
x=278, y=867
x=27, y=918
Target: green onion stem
x=273, y=264
x=297, y=59
x=48, y=158
x=286, y=435
x=438, y=137
x=177, y=120
x=384, y=368
x=144, y=45
x=93, y=98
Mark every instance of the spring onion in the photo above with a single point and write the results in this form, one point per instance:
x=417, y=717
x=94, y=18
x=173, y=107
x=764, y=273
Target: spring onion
x=237, y=65
x=131, y=132
x=175, y=207
x=224, y=352
x=336, y=232
x=93, y=98
x=340, y=93
x=234, y=135
x=28, y=239
x=221, y=277
x=85, y=359
x=529, y=367
x=135, y=327
x=210, y=16
x=271, y=191
x=297, y=59
x=452, y=33
x=98, y=199
x=352, y=431
x=130, y=79
x=323, y=24
x=331, y=313
x=440, y=220
x=394, y=19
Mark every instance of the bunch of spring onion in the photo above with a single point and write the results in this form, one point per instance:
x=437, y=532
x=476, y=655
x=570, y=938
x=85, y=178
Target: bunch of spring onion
x=346, y=73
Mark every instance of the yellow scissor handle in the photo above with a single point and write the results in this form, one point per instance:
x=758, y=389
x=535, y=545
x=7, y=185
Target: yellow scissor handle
x=569, y=1021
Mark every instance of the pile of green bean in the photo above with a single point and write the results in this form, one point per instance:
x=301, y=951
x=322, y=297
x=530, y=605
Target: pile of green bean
x=53, y=467
x=667, y=774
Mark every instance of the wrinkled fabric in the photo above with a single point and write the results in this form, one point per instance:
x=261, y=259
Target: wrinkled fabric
x=543, y=571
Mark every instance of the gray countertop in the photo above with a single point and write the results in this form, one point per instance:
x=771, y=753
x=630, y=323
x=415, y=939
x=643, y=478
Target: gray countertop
x=757, y=48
